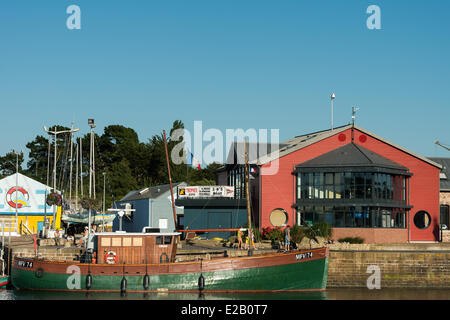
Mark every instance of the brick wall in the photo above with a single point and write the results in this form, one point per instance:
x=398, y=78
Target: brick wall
x=372, y=235
x=399, y=269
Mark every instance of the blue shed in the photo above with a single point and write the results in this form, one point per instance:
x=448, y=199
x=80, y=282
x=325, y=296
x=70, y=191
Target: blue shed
x=218, y=213
x=153, y=208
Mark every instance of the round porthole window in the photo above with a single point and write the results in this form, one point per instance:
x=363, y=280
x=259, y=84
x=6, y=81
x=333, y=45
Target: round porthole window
x=278, y=217
x=422, y=219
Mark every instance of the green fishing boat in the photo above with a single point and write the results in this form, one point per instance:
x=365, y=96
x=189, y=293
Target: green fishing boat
x=146, y=262
x=4, y=281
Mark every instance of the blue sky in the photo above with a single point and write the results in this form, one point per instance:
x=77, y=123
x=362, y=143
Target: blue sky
x=232, y=64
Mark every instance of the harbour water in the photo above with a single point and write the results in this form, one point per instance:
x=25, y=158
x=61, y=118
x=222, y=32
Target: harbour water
x=329, y=294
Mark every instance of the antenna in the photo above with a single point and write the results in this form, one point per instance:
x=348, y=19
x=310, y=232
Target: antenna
x=354, y=109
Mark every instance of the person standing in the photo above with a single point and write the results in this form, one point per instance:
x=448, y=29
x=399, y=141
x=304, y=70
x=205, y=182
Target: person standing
x=239, y=236
x=287, y=238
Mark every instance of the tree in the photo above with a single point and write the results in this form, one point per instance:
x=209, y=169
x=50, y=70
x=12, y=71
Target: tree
x=8, y=164
x=39, y=157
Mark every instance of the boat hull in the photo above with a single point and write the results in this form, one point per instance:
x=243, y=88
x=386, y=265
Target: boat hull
x=297, y=271
x=4, y=281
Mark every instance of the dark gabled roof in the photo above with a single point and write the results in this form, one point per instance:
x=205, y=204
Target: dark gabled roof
x=351, y=155
x=149, y=193
x=444, y=181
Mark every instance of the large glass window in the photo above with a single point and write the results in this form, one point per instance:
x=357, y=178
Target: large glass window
x=353, y=216
x=236, y=178
x=351, y=185
x=443, y=217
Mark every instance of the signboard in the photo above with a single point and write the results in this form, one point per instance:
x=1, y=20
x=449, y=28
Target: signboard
x=24, y=194
x=206, y=192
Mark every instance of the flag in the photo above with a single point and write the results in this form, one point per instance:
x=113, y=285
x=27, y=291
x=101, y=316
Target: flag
x=193, y=162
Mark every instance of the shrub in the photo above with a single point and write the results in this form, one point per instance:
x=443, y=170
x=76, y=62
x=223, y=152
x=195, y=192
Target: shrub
x=352, y=240
x=275, y=234
x=321, y=229
x=265, y=233
x=297, y=234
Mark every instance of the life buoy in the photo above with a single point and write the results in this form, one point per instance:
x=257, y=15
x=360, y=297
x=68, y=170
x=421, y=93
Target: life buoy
x=39, y=273
x=111, y=257
x=9, y=199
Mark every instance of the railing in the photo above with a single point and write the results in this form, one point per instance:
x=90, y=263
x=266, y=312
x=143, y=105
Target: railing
x=24, y=226
x=7, y=226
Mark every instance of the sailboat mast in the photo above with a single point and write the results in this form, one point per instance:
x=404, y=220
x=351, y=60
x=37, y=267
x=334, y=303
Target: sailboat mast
x=71, y=165
x=76, y=180
x=81, y=167
x=170, y=182
x=247, y=193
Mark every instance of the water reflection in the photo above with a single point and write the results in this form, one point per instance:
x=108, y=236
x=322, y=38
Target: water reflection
x=330, y=294
x=33, y=295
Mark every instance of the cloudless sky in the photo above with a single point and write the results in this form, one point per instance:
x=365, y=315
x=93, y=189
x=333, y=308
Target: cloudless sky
x=229, y=63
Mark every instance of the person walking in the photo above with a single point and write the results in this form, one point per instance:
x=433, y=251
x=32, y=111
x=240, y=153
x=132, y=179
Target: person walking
x=287, y=238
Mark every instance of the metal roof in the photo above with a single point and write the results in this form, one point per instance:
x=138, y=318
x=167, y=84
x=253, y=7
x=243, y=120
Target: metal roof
x=149, y=193
x=444, y=183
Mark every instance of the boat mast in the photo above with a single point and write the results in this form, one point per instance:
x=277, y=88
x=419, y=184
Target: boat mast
x=92, y=125
x=247, y=196
x=81, y=167
x=76, y=180
x=71, y=165
x=170, y=182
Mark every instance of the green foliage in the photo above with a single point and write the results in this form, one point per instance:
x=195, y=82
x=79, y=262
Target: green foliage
x=321, y=229
x=8, y=164
x=353, y=240
x=53, y=198
x=297, y=234
x=274, y=234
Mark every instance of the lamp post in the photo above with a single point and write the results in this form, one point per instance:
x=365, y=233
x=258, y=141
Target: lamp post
x=55, y=133
x=91, y=170
x=333, y=96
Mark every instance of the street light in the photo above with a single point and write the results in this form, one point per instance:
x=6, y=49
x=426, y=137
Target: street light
x=333, y=96
x=91, y=170
x=55, y=133
x=91, y=157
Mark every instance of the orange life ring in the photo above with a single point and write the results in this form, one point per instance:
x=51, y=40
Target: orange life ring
x=111, y=257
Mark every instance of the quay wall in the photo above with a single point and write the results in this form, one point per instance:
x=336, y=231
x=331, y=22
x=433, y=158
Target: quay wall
x=397, y=268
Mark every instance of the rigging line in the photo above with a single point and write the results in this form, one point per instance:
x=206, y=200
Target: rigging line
x=64, y=167
x=59, y=160
x=103, y=167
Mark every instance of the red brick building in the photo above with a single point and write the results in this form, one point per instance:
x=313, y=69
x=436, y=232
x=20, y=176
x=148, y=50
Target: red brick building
x=360, y=183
